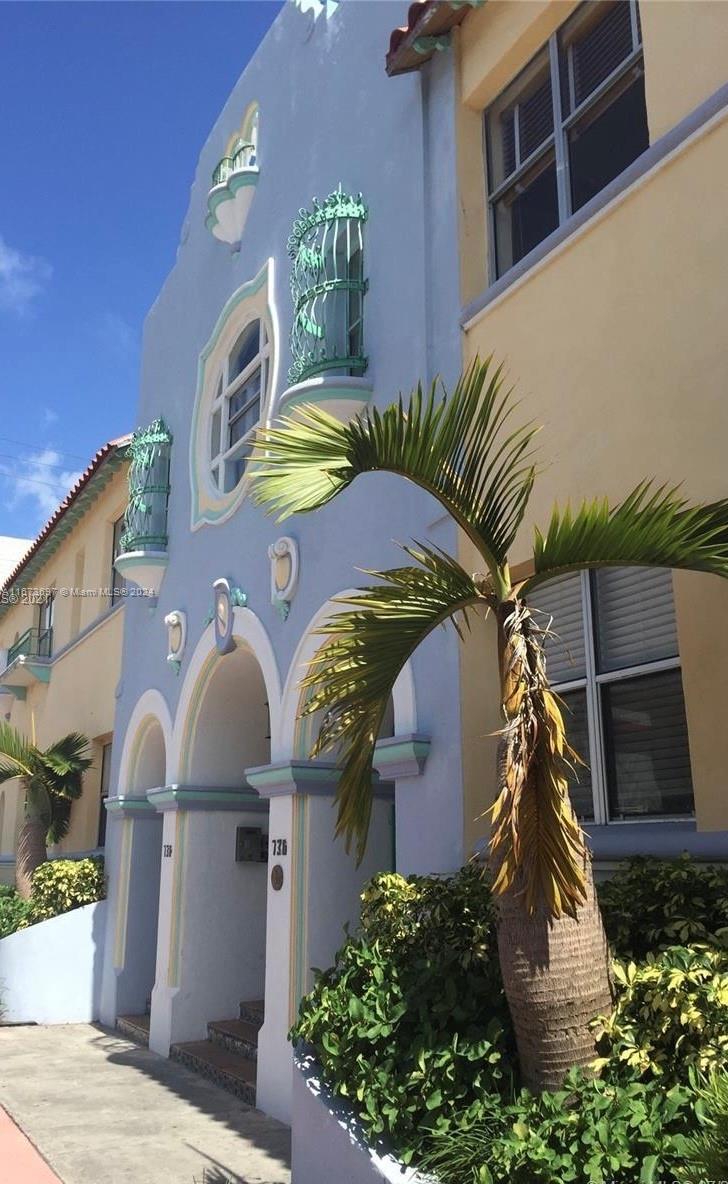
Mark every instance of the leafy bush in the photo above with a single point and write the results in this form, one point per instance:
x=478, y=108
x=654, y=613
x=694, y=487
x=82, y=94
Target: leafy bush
x=13, y=910
x=591, y=1132
x=653, y=903
x=410, y=1024
x=64, y=884
x=706, y=1154
x=671, y=1016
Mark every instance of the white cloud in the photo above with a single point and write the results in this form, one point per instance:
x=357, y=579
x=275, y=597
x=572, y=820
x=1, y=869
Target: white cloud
x=49, y=417
x=22, y=279
x=39, y=478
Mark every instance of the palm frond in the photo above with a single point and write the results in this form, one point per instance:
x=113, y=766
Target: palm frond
x=16, y=755
x=652, y=527
x=459, y=447
x=60, y=820
x=351, y=676
x=64, y=764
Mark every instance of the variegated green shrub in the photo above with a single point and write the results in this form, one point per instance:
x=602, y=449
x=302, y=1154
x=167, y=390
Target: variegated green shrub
x=670, y=1016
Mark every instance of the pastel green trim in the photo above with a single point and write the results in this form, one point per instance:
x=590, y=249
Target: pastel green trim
x=129, y=806
x=226, y=191
x=299, y=904
x=175, y=937
x=141, y=559
x=324, y=394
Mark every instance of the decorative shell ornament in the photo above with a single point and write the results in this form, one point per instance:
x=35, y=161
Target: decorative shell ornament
x=284, y=568
x=176, y=623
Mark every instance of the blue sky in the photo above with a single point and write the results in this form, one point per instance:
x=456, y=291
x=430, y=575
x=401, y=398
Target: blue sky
x=105, y=108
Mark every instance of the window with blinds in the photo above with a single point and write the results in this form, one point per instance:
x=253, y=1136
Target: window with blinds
x=612, y=656
x=572, y=121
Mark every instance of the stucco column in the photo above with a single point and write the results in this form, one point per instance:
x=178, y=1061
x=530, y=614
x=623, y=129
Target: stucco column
x=133, y=850
x=313, y=892
x=211, y=934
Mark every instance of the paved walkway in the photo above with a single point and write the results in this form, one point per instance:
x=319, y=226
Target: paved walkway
x=102, y=1110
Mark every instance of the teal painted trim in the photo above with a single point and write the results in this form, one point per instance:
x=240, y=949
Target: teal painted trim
x=301, y=901
x=224, y=506
x=20, y=693
x=134, y=807
x=226, y=191
x=141, y=559
x=325, y=394
x=180, y=797
x=39, y=670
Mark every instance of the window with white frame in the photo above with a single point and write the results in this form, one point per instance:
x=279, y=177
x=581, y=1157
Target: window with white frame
x=572, y=121
x=614, y=662
x=235, y=412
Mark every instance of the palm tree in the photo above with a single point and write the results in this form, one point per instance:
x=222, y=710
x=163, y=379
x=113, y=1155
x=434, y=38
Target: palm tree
x=464, y=450
x=52, y=779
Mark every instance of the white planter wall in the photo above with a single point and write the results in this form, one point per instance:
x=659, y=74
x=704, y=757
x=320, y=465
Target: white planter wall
x=328, y=1142
x=51, y=972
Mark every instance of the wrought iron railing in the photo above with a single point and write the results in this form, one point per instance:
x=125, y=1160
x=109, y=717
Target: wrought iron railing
x=34, y=643
x=242, y=158
x=145, y=518
x=328, y=287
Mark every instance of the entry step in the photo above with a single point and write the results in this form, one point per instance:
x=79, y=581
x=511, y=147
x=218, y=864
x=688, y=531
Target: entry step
x=238, y=1036
x=136, y=1027
x=230, y=1070
x=252, y=1011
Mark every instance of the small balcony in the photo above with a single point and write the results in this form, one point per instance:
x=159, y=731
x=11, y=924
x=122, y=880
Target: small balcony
x=231, y=194
x=28, y=661
x=34, y=643
x=143, y=545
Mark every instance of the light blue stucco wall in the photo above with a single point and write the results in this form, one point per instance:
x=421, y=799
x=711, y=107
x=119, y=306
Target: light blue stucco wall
x=328, y=115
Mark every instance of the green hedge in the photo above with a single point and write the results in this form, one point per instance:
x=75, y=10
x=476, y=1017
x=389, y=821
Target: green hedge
x=13, y=910
x=64, y=884
x=410, y=1025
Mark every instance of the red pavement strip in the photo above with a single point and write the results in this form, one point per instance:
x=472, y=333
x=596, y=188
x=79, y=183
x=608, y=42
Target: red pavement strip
x=20, y=1163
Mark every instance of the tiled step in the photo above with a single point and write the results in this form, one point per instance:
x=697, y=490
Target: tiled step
x=238, y=1036
x=136, y=1027
x=227, y=1069
x=252, y=1011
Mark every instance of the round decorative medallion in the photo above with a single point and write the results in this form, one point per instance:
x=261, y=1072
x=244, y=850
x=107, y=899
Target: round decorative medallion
x=276, y=877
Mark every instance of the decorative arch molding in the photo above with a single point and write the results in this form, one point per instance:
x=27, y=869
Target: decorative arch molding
x=403, y=693
x=150, y=711
x=248, y=631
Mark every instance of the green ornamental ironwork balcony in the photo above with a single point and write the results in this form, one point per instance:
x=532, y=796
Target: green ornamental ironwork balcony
x=143, y=544
x=34, y=643
x=328, y=288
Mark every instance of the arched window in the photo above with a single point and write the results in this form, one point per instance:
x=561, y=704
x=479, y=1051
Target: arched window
x=236, y=408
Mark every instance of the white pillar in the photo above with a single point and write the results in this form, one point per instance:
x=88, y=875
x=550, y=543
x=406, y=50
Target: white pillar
x=211, y=938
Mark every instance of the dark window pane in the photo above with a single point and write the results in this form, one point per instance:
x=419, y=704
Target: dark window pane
x=577, y=733
x=599, y=46
x=609, y=137
x=520, y=120
x=634, y=616
x=105, y=784
x=646, y=739
x=526, y=215
x=557, y=606
x=118, y=583
x=244, y=350
x=535, y=119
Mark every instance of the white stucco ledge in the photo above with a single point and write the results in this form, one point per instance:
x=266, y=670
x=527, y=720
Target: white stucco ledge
x=144, y=568
x=327, y=1140
x=303, y=777
x=401, y=756
x=50, y=973
x=205, y=797
x=340, y=395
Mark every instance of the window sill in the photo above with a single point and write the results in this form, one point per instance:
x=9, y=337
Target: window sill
x=665, y=840
x=651, y=159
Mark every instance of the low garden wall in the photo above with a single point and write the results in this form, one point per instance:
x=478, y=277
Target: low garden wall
x=328, y=1142
x=50, y=973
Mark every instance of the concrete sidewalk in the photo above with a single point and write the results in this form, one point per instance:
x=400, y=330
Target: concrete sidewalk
x=102, y=1110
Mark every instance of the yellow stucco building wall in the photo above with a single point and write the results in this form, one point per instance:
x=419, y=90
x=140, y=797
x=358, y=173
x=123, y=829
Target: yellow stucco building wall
x=616, y=341
x=85, y=664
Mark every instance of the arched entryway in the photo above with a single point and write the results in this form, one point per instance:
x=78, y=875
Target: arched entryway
x=211, y=949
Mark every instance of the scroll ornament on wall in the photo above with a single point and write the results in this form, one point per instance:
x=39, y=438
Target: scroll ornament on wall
x=284, y=567
x=176, y=623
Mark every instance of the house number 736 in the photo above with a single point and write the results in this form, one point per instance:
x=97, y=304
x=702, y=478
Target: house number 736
x=279, y=846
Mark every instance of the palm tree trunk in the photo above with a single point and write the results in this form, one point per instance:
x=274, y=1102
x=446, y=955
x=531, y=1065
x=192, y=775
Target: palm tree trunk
x=556, y=981
x=30, y=854
x=554, y=964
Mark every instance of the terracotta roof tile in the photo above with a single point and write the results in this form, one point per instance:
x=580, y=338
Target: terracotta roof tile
x=425, y=18
x=109, y=449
